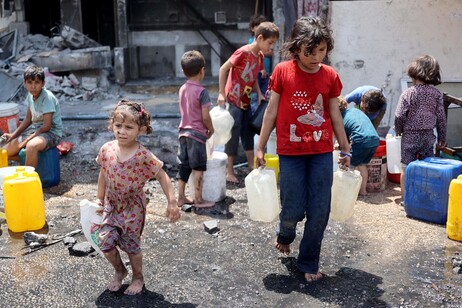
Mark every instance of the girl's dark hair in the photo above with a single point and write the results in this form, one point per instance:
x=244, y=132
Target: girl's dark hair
x=32, y=72
x=137, y=110
x=308, y=32
x=373, y=100
x=426, y=69
x=192, y=62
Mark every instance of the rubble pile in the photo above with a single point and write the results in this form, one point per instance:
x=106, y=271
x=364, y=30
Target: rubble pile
x=77, y=68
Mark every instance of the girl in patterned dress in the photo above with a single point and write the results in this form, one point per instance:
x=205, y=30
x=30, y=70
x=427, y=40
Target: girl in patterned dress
x=126, y=166
x=420, y=110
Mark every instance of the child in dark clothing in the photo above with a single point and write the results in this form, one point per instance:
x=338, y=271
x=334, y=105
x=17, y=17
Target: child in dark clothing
x=420, y=110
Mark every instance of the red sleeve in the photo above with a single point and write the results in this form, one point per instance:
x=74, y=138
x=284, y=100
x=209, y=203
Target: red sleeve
x=236, y=57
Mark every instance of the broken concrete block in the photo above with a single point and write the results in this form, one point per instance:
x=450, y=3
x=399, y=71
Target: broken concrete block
x=30, y=237
x=89, y=83
x=81, y=249
x=75, y=60
x=211, y=226
x=74, y=80
x=76, y=39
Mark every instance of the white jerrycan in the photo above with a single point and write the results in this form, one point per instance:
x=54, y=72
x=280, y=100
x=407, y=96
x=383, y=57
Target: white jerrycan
x=222, y=122
x=393, y=154
x=90, y=221
x=345, y=189
x=262, y=195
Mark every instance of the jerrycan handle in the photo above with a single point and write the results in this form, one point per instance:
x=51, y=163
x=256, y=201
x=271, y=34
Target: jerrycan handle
x=348, y=172
x=20, y=170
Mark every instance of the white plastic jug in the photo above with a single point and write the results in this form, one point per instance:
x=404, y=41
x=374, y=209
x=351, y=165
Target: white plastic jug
x=394, y=154
x=345, y=189
x=262, y=195
x=90, y=221
x=335, y=156
x=222, y=122
x=214, y=185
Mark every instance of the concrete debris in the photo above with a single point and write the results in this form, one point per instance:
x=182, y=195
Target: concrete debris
x=35, y=241
x=32, y=237
x=211, y=226
x=69, y=241
x=77, y=40
x=89, y=83
x=69, y=57
x=81, y=249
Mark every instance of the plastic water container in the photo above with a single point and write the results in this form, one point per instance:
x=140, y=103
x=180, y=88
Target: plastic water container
x=426, y=188
x=454, y=222
x=24, y=203
x=48, y=166
x=377, y=169
x=335, y=156
x=345, y=189
x=214, y=185
x=8, y=171
x=222, y=122
x=262, y=195
x=9, y=117
x=91, y=221
x=394, y=166
x=209, y=147
x=271, y=146
x=3, y=158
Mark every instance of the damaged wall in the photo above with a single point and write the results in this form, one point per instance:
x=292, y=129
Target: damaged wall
x=160, y=32
x=375, y=48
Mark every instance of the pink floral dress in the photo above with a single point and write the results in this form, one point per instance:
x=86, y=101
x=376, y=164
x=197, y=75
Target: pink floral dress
x=124, y=201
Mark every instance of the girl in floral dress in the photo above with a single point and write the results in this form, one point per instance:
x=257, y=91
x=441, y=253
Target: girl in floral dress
x=126, y=166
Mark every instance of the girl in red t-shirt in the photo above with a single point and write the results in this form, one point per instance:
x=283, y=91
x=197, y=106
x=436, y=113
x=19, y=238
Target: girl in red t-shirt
x=304, y=109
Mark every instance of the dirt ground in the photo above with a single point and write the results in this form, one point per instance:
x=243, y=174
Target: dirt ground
x=378, y=258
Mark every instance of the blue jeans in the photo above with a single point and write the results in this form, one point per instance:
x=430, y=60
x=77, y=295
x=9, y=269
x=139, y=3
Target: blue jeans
x=305, y=183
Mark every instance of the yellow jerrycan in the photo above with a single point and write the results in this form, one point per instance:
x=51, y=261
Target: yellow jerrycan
x=454, y=222
x=24, y=203
x=3, y=158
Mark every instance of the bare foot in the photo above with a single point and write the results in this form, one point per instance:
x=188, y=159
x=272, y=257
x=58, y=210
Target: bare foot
x=183, y=201
x=116, y=283
x=204, y=203
x=313, y=277
x=135, y=287
x=284, y=248
x=363, y=193
x=232, y=178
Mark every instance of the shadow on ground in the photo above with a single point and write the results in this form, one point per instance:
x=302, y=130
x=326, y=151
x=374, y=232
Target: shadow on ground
x=145, y=299
x=349, y=287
